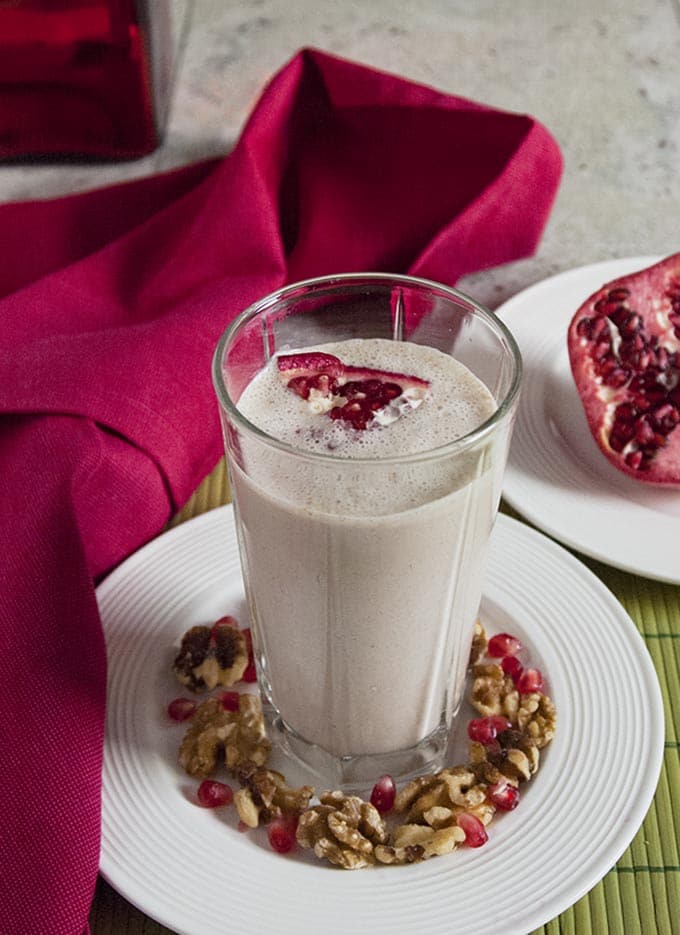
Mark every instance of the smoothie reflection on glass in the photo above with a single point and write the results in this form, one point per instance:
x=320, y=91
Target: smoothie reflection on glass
x=367, y=419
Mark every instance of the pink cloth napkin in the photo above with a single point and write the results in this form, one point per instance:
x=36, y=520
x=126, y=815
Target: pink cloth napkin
x=111, y=304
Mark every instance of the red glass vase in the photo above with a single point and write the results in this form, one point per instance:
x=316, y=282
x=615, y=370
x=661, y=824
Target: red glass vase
x=82, y=78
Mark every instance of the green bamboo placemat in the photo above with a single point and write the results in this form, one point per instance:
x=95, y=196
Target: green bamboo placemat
x=641, y=894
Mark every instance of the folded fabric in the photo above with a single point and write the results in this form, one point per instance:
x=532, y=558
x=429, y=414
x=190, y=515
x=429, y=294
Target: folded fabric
x=111, y=304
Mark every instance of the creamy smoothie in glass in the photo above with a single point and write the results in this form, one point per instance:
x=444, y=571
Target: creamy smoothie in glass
x=363, y=513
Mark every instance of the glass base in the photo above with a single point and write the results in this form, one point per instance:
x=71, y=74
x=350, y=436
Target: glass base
x=308, y=763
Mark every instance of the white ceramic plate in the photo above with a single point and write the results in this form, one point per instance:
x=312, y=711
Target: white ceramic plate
x=556, y=475
x=190, y=869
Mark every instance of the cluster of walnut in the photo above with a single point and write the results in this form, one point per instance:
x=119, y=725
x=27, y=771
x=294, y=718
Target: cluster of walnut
x=350, y=832
x=216, y=735
x=218, y=655
x=238, y=739
x=533, y=719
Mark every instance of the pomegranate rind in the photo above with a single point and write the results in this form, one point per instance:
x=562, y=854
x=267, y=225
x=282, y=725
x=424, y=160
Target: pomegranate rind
x=303, y=365
x=298, y=365
x=618, y=360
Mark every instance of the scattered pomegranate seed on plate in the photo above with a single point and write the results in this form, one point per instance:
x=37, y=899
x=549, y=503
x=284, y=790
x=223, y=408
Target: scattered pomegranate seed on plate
x=486, y=729
x=250, y=675
x=503, y=644
x=230, y=700
x=530, y=681
x=383, y=794
x=212, y=794
x=281, y=833
x=512, y=667
x=181, y=709
x=504, y=795
x=500, y=723
x=475, y=833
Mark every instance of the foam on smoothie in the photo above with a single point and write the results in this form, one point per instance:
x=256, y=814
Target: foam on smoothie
x=458, y=404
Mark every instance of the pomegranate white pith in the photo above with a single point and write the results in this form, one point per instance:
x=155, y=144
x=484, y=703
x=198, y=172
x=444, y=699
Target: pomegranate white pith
x=624, y=350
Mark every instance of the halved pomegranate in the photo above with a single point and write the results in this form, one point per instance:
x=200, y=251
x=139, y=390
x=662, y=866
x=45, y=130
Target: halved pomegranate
x=624, y=349
x=358, y=395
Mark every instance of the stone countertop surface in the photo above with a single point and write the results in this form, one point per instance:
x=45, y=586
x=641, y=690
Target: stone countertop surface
x=603, y=77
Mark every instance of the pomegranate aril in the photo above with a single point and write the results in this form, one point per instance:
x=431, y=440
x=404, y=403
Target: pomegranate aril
x=504, y=795
x=181, y=709
x=281, y=833
x=618, y=294
x=584, y=329
x=230, y=701
x=475, y=833
x=530, y=681
x=481, y=730
x=383, y=794
x=212, y=794
x=634, y=459
x=617, y=377
x=512, y=667
x=499, y=722
x=486, y=729
x=300, y=386
x=250, y=675
x=503, y=644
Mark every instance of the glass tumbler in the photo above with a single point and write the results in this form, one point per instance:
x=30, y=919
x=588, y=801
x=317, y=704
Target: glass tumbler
x=363, y=574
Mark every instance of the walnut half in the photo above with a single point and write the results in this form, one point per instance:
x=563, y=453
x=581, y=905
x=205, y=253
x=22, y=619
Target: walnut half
x=265, y=795
x=211, y=656
x=437, y=800
x=413, y=843
x=237, y=736
x=342, y=829
x=493, y=692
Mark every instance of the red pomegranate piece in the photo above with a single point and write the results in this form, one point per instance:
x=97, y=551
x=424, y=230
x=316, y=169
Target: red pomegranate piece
x=281, y=833
x=504, y=795
x=360, y=396
x=624, y=349
x=250, y=675
x=181, y=709
x=486, y=729
x=475, y=833
x=512, y=667
x=212, y=794
x=530, y=681
x=383, y=794
x=230, y=701
x=503, y=644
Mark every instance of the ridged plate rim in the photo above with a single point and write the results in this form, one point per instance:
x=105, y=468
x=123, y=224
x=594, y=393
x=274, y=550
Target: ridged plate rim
x=194, y=873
